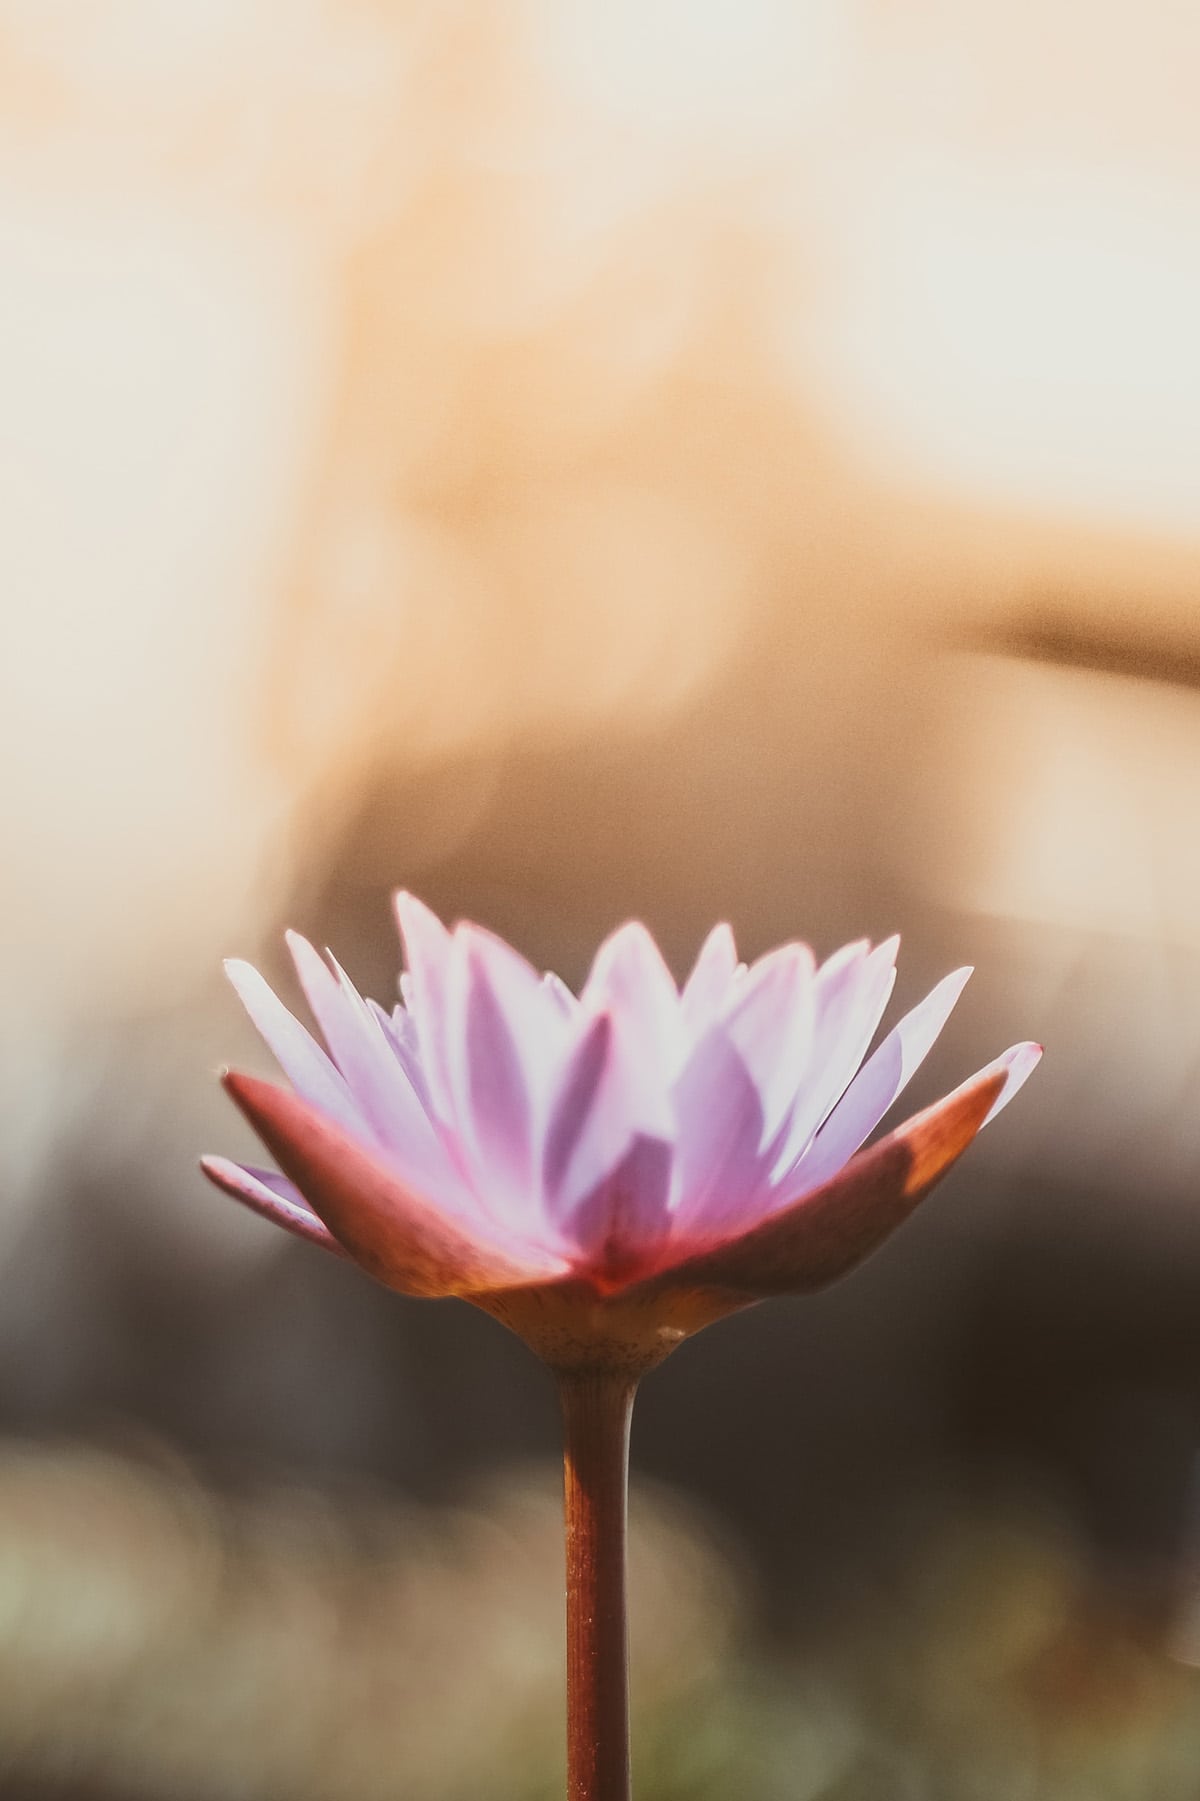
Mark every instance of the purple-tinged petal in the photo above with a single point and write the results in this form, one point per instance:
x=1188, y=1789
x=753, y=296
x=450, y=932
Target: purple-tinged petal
x=1016, y=1065
x=273, y=1196
x=769, y=1022
x=719, y=1161
x=298, y=1054
x=624, y=1220
x=707, y=988
x=603, y=1104
x=566, y=1002
x=492, y=994
x=630, y=980
x=541, y=1028
x=427, y=953
x=395, y=1234
x=875, y=1088
x=850, y=992
x=826, y=1232
x=572, y=1107
x=363, y=1054
x=401, y=1036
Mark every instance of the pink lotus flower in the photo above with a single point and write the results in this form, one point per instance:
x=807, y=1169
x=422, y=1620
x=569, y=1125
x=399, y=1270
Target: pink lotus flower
x=605, y=1173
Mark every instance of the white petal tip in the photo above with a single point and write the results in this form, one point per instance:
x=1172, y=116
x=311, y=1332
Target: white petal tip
x=245, y=980
x=1018, y=1063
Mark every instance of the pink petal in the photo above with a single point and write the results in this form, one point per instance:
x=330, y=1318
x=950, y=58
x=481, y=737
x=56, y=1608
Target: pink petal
x=877, y=1085
x=427, y=953
x=399, y=1237
x=560, y=994
x=1016, y=1065
x=707, y=988
x=492, y=997
x=851, y=990
x=298, y=1054
x=719, y=1161
x=825, y=1233
x=572, y=1107
x=401, y=1035
x=385, y=1097
x=603, y=1104
x=273, y=1196
x=624, y=1220
x=769, y=1022
x=630, y=980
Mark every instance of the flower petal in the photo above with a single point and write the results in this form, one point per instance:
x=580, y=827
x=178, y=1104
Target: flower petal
x=273, y=1196
x=400, y=1238
x=494, y=1003
x=624, y=1220
x=365, y=1056
x=826, y=1232
x=1017, y=1065
x=295, y=1050
x=707, y=988
x=879, y=1083
x=769, y=1022
x=427, y=948
x=401, y=1034
x=603, y=1106
x=850, y=992
x=721, y=1136
x=630, y=980
x=560, y=994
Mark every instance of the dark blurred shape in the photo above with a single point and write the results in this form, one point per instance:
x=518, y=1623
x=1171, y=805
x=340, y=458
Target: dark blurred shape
x=1052, y=631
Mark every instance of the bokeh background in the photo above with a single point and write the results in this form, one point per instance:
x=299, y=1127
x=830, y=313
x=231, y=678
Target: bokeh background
x=681, y=460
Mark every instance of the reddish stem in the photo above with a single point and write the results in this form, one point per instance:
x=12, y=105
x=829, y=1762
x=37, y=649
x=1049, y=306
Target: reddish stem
x=596, y=1412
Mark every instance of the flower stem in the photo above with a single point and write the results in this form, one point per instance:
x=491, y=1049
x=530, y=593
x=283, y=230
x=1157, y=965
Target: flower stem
x=596, y=1410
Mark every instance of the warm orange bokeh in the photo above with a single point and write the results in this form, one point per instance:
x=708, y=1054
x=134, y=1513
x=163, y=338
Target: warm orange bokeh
x=689, y=458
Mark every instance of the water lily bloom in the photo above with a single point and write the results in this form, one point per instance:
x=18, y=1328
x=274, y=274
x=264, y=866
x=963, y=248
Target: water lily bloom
x=606, y=1172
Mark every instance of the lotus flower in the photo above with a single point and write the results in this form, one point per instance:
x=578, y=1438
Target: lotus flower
x=605, y=1172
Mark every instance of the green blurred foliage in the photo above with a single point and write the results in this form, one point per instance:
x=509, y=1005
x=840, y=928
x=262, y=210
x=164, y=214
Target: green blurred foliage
x=160, y=1638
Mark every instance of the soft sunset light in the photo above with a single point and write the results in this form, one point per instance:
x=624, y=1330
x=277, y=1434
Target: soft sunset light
x=676, y=462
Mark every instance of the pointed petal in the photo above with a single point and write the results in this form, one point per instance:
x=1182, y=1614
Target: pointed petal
x=427, y=948
x=296, y=1051
x=401, y=1029
x=1016, y=1065
x=560, y=994
x=769, y=1022
x=878, y=1084
x=630, y=980
x=826, y=1232
x=401, y=1035
x=602, y=1106
x=624, y=1220
x=360, y=1051
x=572, y=1108
x=850, y=992
x=721, y=1136
x=495, y=1000
x=272, y=1196
x=399, y=1237
x=707, y=988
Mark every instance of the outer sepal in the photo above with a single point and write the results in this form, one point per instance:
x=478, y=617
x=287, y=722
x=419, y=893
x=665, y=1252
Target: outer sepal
x=271, y=1197
x=396, y=1236
x=826, y=1232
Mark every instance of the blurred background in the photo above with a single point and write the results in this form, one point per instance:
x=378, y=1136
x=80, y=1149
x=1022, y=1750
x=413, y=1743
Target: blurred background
x=686, y=461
